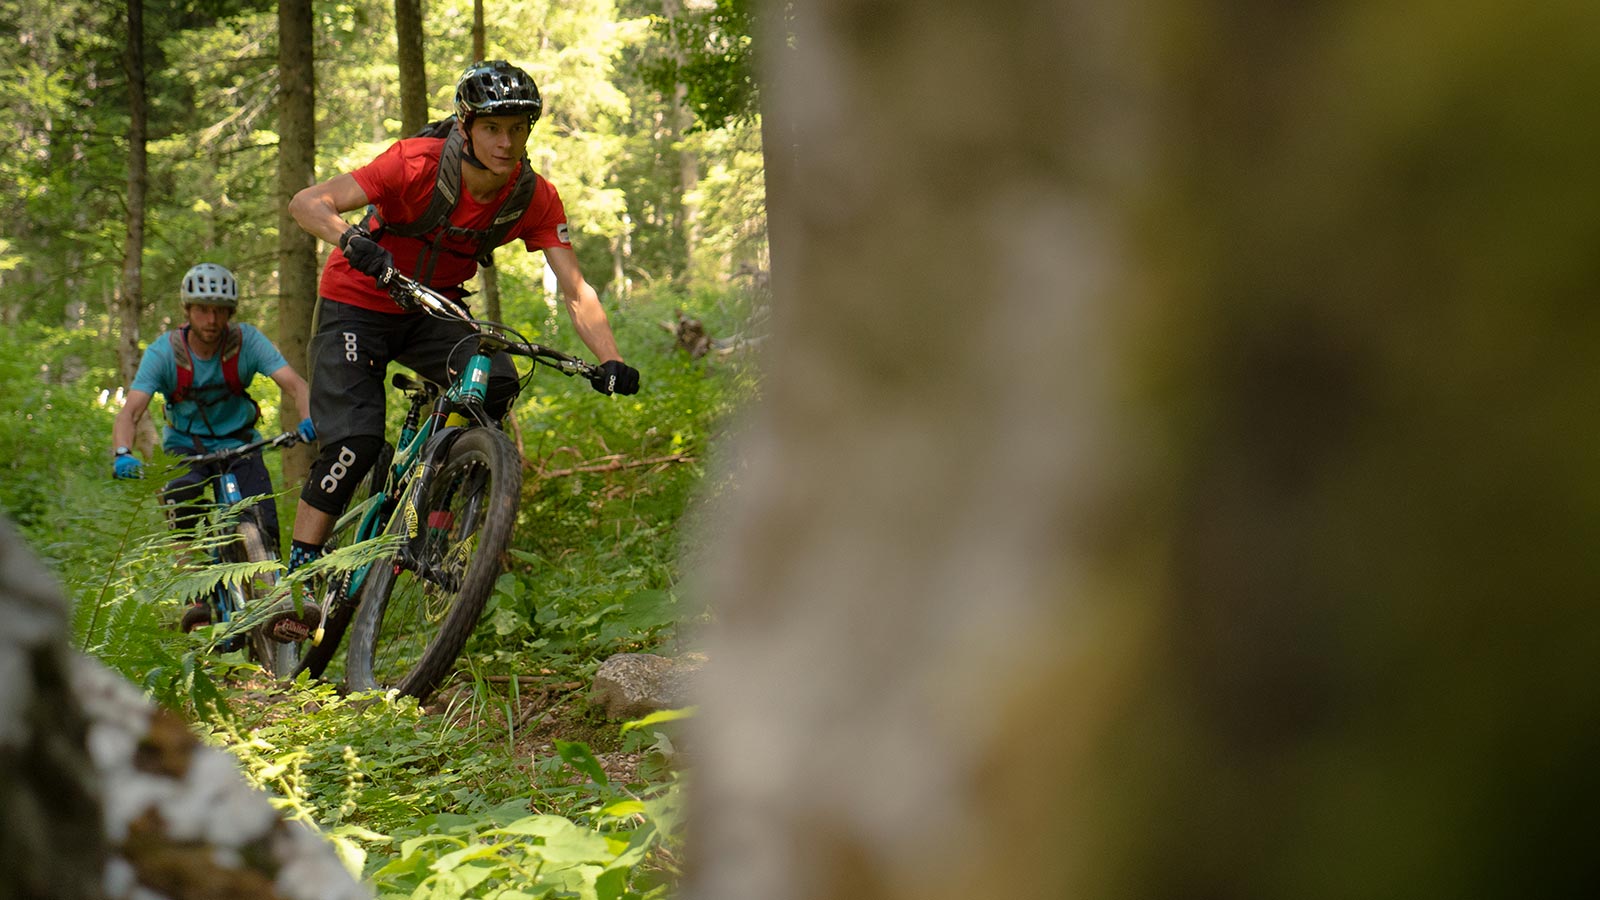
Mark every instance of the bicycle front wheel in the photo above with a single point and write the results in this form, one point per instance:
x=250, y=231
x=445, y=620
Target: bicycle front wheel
x=336, y=594
x=418, y=609
x=280, y=659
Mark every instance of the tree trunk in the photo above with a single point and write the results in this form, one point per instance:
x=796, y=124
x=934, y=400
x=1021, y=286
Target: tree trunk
x=106, y=795
x=52, y=841
x=478, y=41
x=488, y=277
x=413, y=66
x=132, y=299
x=297, y=250
x=680, y=120
x=688, y=179
x=1216, y=527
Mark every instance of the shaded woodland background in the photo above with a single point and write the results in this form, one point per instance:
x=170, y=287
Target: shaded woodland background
x=1171, y=474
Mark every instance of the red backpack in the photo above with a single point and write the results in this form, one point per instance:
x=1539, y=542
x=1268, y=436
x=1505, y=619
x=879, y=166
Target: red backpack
x=232, y=342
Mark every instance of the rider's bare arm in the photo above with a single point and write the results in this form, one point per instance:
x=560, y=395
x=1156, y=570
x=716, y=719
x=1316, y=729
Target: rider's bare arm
x=317, y=208
x=583, y=304
x=123, y=426
x=292, y=385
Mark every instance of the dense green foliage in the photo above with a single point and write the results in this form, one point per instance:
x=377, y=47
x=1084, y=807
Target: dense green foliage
x=611, y=140
x=711, y=53
x=509, y=785
x=502, y=777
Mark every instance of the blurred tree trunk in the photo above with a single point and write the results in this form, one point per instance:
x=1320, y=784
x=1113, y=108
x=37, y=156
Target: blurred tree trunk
x=52, y=840
x=297, y=250
x=130, y=300
x=680, y=121
x=1227, y=527
x=413, y=66
x=488, y=276
x=478, y=49
x=132, y=295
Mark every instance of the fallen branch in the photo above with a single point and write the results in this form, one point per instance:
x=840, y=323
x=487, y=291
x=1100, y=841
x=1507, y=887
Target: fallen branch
x=612, y=464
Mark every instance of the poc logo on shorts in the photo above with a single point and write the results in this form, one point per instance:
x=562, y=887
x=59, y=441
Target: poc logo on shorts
x=350, y=346
x=341, y=468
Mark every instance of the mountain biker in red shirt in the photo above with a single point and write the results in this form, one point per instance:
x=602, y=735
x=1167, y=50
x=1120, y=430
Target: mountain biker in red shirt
x=361, y=329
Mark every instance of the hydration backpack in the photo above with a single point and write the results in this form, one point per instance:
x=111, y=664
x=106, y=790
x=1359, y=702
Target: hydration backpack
x=434, y=223
x=232, y=342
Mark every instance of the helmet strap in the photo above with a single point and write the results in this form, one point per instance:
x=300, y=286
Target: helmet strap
x=467, y=153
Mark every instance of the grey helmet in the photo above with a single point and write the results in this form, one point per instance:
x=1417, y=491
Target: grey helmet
x=211, y=285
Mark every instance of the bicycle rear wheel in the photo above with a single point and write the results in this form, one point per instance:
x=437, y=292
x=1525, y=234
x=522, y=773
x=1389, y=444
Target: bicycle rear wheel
x=418, y=609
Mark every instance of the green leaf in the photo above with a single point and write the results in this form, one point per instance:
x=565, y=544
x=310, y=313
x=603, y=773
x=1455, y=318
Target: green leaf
x=611, y=885
x=580, y=757
x=564, y=843
x=656, y=718
x=409, y=847
x=624, y=808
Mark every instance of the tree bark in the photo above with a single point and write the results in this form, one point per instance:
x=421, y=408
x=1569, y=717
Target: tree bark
x=131, y=300
x=297, y=250
x=413, y=66
x=680, y=120
x=52, y=842
x=1210, y=526
x=478, y=41
x=488, y=276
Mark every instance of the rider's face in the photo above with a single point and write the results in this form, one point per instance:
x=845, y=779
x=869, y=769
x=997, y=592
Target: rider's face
x=499, y=141
x=207, y=322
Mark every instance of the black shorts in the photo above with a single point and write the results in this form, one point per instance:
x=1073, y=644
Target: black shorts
x=350, y=356
x=182, y=494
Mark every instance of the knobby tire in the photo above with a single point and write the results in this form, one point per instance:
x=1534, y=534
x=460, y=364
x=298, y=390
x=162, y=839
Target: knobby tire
x=278, y=658
x=418, y=609
x=337, y=602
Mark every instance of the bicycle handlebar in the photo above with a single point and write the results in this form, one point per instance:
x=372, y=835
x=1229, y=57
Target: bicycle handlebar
x=412, y=295
x=286, y=439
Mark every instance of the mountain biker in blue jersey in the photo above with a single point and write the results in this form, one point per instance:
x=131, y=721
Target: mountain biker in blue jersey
x=203, y=371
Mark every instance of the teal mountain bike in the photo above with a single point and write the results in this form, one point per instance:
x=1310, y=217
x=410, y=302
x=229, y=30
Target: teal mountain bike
x=443, y=500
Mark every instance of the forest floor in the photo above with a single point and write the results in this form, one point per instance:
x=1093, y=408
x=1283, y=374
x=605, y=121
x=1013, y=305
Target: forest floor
x=559, y=711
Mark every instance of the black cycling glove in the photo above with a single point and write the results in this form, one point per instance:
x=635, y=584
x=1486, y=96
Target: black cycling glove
x=616, y=377
x=366, y=255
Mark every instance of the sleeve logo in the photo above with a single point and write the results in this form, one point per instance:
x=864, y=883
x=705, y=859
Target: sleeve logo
x=562, y=234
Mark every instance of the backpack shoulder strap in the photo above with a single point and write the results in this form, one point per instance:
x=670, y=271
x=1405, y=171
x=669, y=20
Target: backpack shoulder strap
x=232, y=342
x=509, y=214
x=182, y=361
x=446, y=191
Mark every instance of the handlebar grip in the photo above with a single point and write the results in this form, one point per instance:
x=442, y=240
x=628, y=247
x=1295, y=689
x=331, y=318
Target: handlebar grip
x=400, y=289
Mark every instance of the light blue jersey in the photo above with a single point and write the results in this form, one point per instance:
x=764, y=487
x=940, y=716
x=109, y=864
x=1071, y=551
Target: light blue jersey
x=210, y=413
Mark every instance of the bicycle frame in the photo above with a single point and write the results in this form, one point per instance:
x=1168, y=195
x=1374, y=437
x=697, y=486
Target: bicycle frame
x=228, y=494
x=422, y=443
x=423, y=446
x=416, y=449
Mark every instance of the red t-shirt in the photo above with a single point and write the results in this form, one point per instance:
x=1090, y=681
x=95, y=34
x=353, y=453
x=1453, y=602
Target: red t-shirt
x=400, y=183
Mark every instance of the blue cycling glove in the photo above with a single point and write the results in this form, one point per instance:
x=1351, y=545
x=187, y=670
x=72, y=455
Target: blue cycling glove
x=127, y=466
x=308, y=432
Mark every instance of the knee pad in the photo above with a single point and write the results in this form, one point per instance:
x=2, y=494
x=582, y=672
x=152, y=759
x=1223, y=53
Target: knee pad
x=337, y=472
x=180, y=500
x=182, y=516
